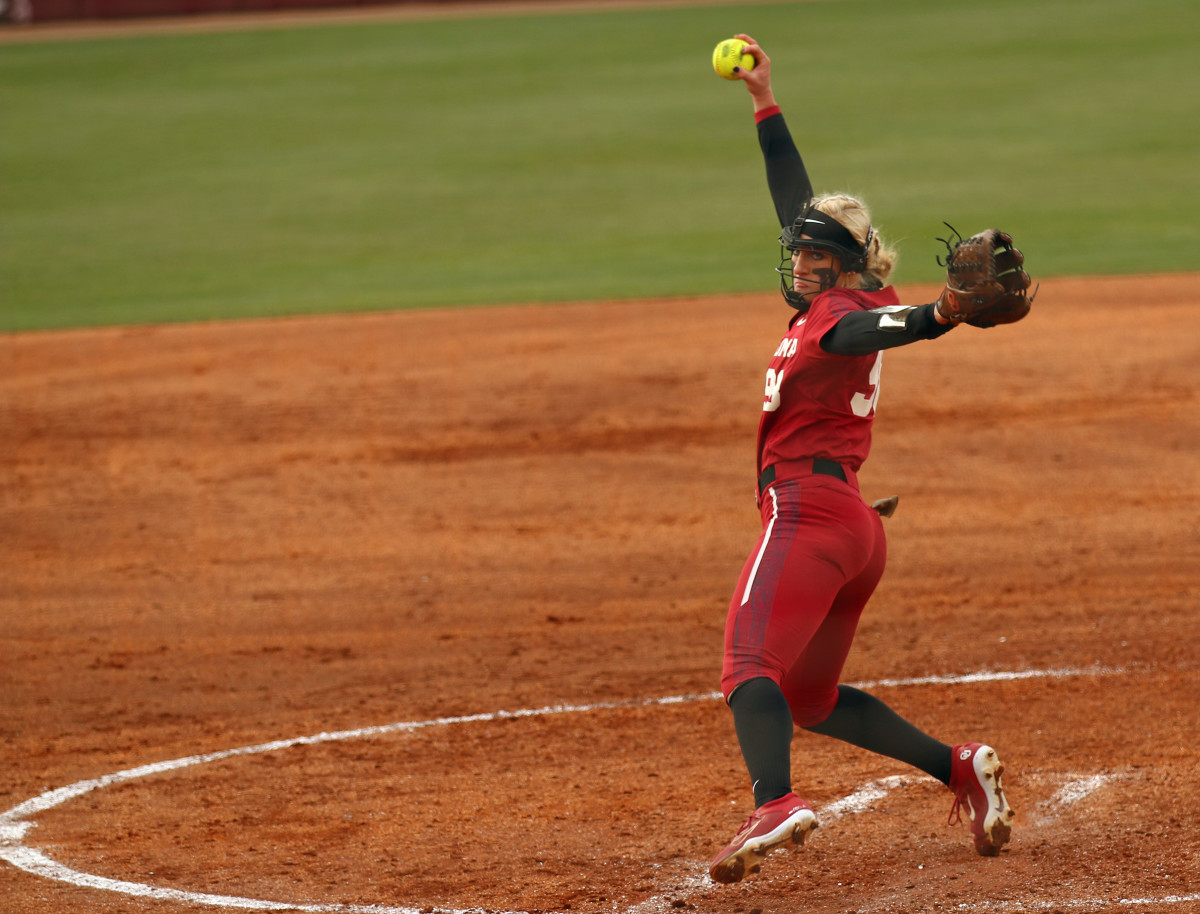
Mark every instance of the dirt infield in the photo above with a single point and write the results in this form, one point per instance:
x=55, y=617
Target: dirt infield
x=220, y=535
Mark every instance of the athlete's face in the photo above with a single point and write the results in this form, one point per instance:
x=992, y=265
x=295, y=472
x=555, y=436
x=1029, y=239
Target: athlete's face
x=814, y=271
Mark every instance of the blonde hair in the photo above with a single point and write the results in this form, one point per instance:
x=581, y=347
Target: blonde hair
x=852, y=213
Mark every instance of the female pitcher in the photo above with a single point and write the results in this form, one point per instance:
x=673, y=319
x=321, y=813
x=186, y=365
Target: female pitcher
x=797, y=603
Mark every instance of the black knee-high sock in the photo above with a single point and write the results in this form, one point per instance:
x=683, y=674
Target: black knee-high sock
x=865, y=721
x=764, y=729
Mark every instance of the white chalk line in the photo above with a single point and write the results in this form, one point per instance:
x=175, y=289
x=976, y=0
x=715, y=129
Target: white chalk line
x=1072, y=792
x=1083, y=904
x=14, y=827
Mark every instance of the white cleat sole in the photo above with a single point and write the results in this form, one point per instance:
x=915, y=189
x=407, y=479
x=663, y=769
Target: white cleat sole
x=997, y=823
x=749, y=857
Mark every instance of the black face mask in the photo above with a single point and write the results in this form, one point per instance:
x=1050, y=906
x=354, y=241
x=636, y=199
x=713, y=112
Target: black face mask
x=814, y=230
x=787, y=283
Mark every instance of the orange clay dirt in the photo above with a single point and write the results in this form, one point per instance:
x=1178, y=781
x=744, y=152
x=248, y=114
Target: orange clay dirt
x=219, y=535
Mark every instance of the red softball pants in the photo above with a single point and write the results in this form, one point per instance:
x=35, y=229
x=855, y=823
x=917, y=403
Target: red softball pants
x=800, y=595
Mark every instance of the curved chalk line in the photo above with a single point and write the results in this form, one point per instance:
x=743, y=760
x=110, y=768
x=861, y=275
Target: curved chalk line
x=14, y=824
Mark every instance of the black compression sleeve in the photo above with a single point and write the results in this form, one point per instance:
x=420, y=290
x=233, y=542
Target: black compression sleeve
x=787, y=177
x=865, y=721
x=864, y=332
x=764, y=727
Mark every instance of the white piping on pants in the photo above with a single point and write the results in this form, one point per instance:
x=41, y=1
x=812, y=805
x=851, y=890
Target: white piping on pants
x=766, y=539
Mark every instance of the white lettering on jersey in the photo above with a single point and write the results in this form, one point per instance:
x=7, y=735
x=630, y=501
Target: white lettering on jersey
x=787, y=348
x=863, y=403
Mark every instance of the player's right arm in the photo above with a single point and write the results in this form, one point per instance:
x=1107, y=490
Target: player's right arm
x=787, y=178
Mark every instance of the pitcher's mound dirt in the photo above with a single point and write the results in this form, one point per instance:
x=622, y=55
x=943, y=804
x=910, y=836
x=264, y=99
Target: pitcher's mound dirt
x=217, y=535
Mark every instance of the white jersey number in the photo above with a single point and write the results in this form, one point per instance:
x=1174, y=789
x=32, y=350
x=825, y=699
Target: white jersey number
x=771, y=397
x=863, y=404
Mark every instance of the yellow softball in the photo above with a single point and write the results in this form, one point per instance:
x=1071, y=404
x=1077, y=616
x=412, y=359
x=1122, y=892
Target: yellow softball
x=728, y=54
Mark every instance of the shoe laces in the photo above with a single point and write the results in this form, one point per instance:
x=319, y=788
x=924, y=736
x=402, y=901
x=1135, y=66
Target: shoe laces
x=955, y=816
x=747, y=827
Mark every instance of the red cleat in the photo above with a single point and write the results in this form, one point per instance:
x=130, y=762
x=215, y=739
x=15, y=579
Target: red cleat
x=975, y=780
x=787, y=819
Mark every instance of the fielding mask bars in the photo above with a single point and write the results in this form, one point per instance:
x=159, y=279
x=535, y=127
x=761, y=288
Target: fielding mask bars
x=821, y=232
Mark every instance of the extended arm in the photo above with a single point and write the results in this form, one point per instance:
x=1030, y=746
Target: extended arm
x=864, y=332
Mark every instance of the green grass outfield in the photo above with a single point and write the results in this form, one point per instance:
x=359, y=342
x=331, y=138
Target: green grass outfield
x=563, y=156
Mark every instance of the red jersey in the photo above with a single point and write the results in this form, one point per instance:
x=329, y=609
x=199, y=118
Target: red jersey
x=818, y=404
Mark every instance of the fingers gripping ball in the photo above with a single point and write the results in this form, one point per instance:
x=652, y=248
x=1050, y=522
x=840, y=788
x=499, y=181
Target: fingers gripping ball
x=986, y=282
x=728, y=54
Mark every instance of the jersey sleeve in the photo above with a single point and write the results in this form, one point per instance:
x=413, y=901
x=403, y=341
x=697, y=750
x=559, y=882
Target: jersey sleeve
x=823, y=316
x=787, y=178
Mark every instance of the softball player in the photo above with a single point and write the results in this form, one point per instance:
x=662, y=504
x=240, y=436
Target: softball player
x=822, y=551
